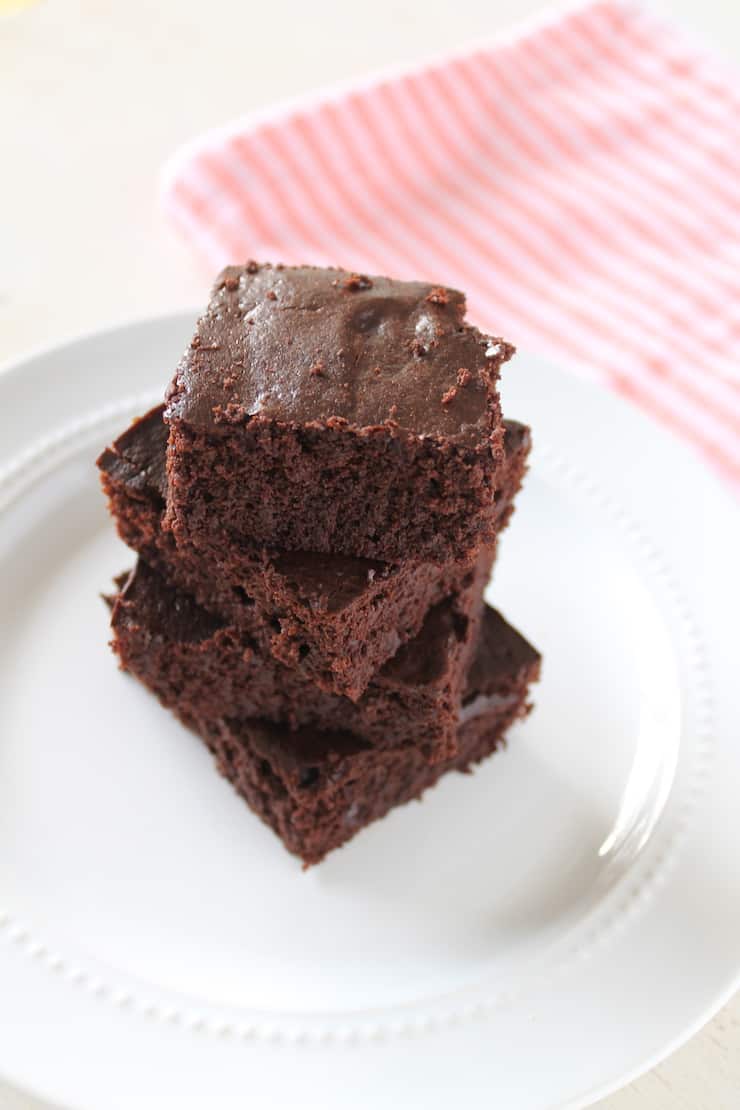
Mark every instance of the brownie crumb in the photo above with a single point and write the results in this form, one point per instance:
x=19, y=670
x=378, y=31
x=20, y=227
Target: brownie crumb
x=438, y=296
x=252, y=267
x=377, y=371
x=232, y=413
x=450, y=395
x=464, y=376
x=271, y=295
x=231, y=283
x=317, y=369
x=356, y=282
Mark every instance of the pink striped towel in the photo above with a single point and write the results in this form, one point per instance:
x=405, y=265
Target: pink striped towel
x=581, y=181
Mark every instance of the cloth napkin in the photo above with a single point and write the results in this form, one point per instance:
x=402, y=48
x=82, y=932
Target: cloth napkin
x=580, y=180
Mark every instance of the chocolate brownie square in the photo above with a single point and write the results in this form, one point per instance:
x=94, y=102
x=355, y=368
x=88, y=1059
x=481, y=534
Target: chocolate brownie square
x=316, y=789
x=318, y=410
x=335, y=618
x=204, y=667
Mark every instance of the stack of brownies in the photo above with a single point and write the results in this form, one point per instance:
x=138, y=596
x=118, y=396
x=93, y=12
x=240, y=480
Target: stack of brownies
x=316, y=510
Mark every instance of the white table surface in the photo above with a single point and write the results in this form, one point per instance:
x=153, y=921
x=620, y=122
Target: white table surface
x=94, y=94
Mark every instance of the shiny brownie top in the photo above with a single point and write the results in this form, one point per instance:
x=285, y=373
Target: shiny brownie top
x=306, y=346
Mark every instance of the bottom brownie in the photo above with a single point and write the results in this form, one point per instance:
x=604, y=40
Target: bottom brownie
x=316, y=789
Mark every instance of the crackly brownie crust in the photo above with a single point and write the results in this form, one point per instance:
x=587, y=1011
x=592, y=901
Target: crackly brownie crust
x=316, y=790
x=336, y=619
x=317, y=410
x=194, y=661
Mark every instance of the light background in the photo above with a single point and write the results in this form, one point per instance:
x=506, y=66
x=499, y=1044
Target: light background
x=95, y=95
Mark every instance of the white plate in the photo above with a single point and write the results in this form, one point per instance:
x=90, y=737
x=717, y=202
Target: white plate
x=528, y=937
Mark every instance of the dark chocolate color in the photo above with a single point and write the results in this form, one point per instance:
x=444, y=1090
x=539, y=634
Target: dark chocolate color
x=208, y=668
x=306, y=345
x=316, y=410
x=316, y=789
x=335, y=618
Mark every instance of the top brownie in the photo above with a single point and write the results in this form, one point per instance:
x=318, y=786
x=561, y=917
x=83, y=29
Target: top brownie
x=319, y=410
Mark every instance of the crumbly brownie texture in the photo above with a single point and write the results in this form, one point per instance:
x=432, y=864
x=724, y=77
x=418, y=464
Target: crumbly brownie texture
x=335, y=618
x=317, y=410
x=205, y=668
x=316, y=790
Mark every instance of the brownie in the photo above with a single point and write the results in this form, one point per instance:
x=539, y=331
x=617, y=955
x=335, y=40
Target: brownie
x=317, y=789
x=317, y=410
x=335, y=618
x=195, y=661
